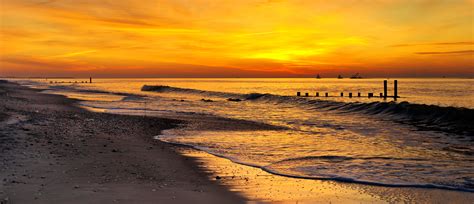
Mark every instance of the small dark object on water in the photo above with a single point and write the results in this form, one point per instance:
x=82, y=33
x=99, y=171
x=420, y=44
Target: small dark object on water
x=234, y=99
x=207, y=100
x=218, y=177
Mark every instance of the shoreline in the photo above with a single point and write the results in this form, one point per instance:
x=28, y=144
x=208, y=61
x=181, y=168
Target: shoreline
x=193, y=150
x=257, y=184
x=54, y=151
x=231, y=182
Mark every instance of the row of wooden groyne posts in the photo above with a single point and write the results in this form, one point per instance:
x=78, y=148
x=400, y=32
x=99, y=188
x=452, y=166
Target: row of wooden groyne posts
x=70, y=82
x=383, y=95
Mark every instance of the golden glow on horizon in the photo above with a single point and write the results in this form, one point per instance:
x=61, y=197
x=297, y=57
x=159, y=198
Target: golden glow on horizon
x=225, y=38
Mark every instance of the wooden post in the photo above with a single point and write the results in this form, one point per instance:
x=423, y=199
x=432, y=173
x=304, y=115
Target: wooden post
x=306, y=94
x=326, y=94
x=370, y=95
x=298, y=93
x=395, y=90
x=381, y=95
x=342, y=94
x=358, y=94
x=350, y=95
x=317, y=94
x=90, y=80
x=384, y=89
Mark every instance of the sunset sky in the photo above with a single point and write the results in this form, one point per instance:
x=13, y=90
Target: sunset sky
x=230, y=38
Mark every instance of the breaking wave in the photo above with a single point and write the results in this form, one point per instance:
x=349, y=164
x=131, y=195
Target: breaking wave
x=427, y=117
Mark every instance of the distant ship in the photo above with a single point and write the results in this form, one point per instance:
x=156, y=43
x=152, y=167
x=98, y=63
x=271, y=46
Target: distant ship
x=318, y=77
x=340, y=77
x=356, y=76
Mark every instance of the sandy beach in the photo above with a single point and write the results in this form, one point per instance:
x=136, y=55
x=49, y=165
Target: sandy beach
x=252, y=101
x=55, y=152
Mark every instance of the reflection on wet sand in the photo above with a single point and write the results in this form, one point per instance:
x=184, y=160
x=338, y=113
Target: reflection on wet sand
x=258, y=185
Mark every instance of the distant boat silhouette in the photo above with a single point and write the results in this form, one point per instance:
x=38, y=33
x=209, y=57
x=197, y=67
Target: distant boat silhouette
x=339, y=77
x=318, y=77
x=356, y=76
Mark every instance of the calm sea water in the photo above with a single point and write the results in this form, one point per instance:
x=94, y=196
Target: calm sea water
x=416, y=141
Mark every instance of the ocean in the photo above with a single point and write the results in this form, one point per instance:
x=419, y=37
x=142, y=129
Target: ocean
x=423, y=139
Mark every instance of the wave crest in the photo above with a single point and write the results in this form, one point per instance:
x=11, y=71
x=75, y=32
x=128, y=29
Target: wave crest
x=426, y=117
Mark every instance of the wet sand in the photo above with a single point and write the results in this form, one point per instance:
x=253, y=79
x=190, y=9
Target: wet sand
x=55, y=152
x=256, y=184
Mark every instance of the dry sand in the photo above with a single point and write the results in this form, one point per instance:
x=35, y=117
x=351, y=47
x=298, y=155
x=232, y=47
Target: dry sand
x=54, y=152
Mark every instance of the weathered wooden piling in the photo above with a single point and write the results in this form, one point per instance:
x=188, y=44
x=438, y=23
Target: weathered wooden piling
x=298, y=93
x=358, y=94
x=384, y=89
x=395, y=90
x=381, y=95
x=370, y=95
x=306, y=94
x=350, y=95
x=327, y=94
x=342, y=94
x=90, y=80
x=317, y=94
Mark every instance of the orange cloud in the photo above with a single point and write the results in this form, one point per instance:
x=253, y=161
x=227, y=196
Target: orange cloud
x=458, y=52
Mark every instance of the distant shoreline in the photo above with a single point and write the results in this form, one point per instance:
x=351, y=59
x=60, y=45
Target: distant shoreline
x=309, y=77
